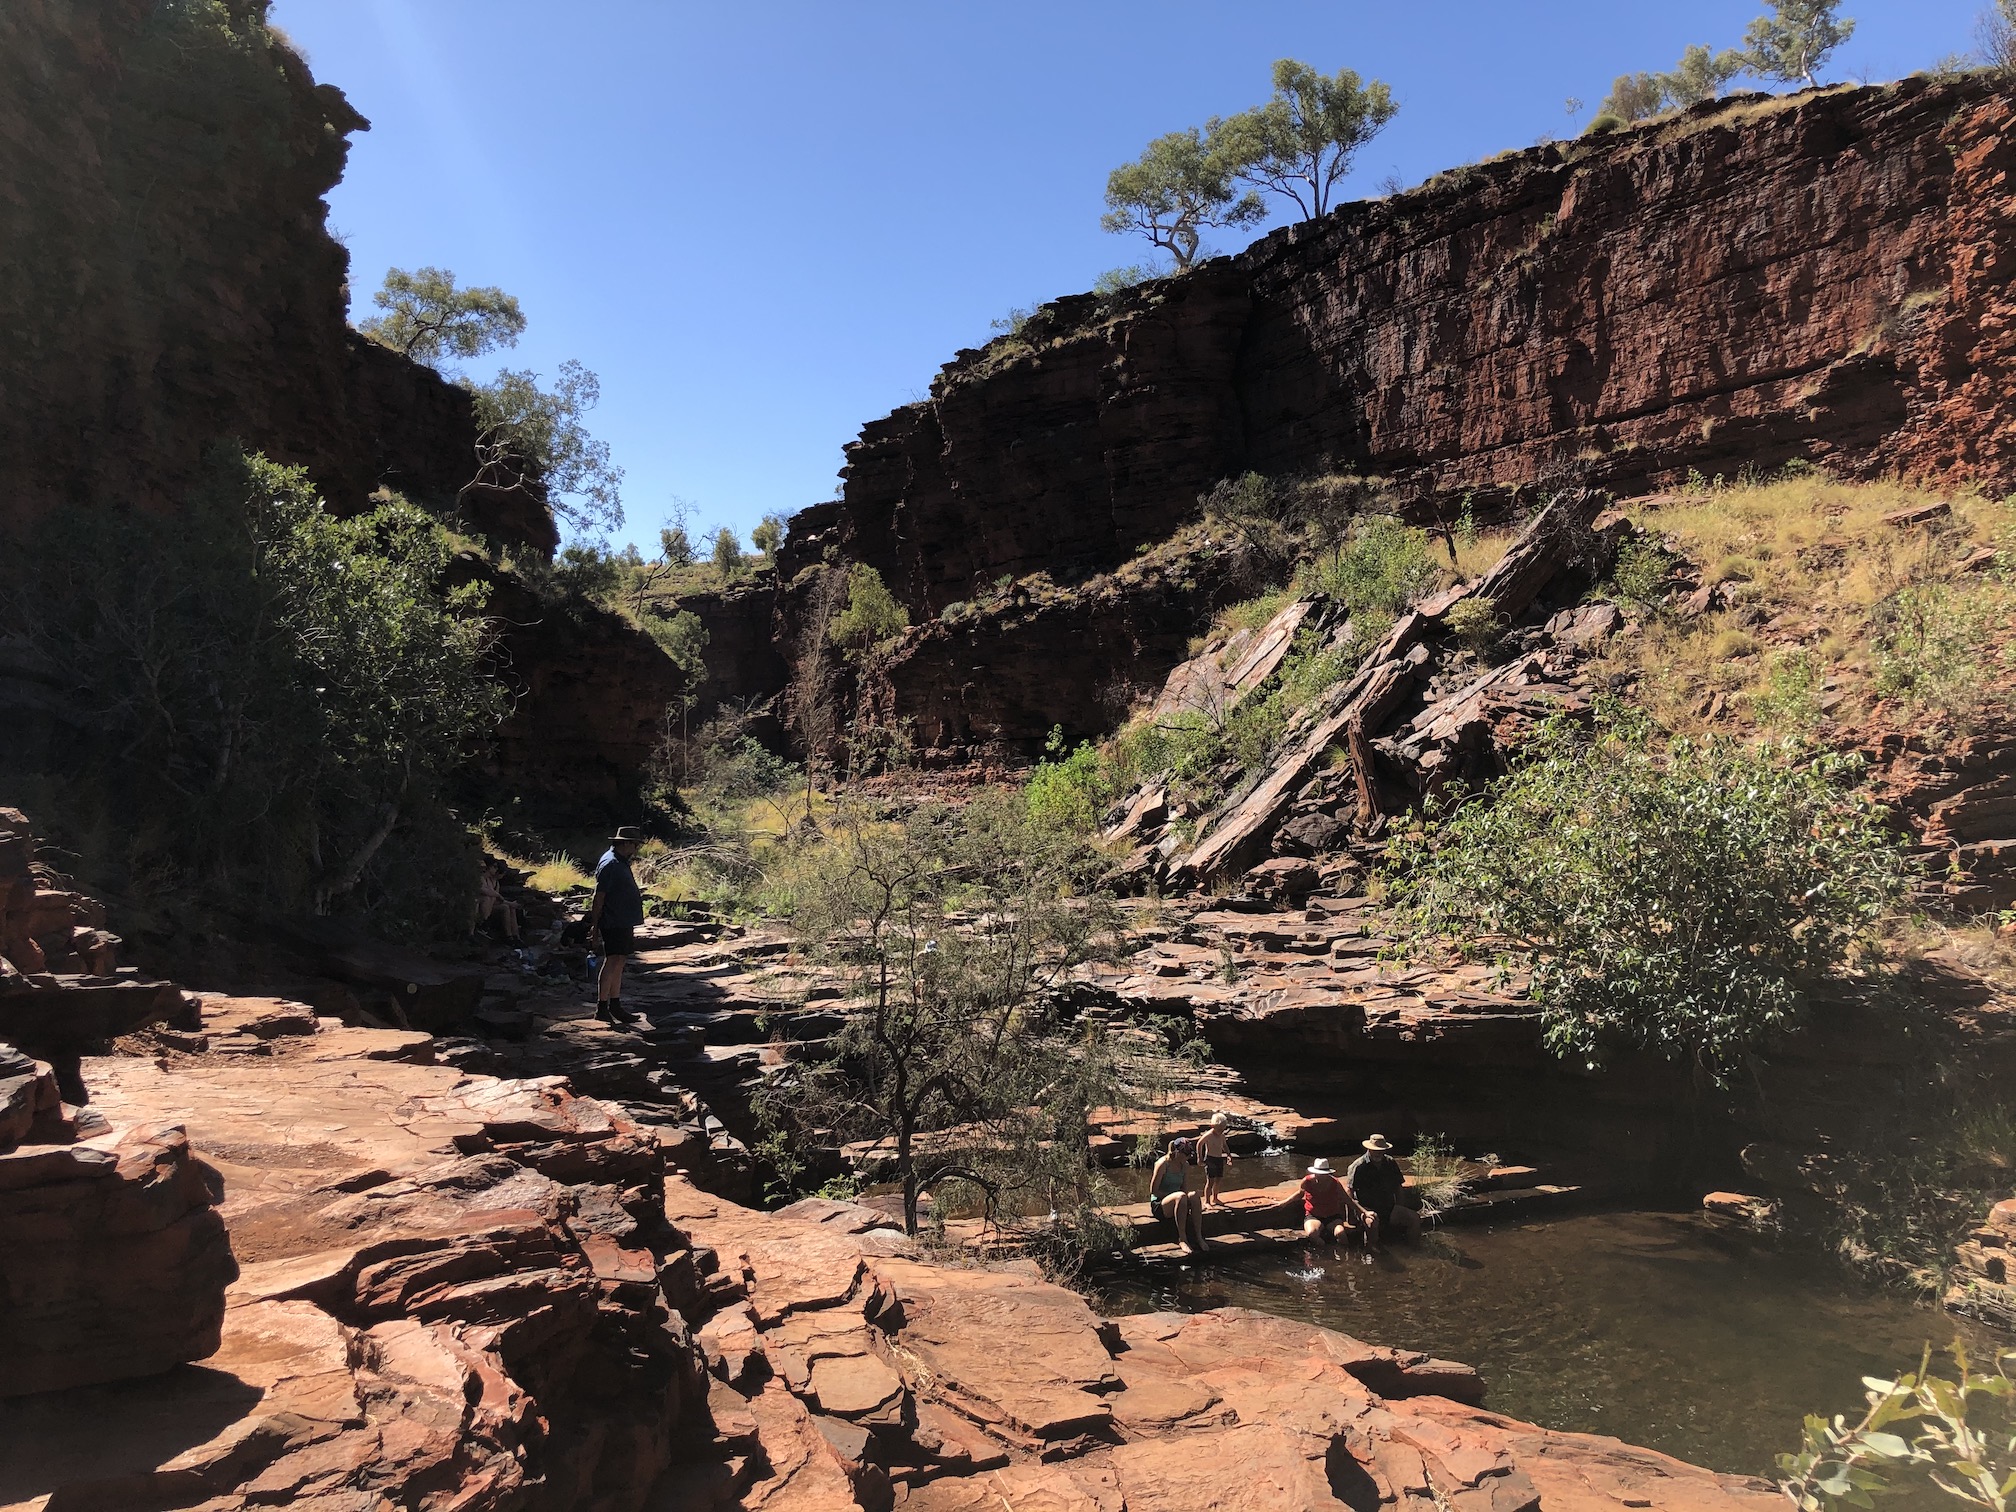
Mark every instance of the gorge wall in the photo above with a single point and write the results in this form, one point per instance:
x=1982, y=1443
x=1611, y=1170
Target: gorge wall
x=1823, y=276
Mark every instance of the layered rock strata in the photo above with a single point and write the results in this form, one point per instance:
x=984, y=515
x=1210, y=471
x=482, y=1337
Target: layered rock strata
x=1822, y=276
x=456, y=1290
x=845, y=1373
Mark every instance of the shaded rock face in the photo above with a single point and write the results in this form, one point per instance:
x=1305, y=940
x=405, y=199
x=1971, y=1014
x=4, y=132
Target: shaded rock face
x=113, y=1261
x=1824, y=277
x=174, y=283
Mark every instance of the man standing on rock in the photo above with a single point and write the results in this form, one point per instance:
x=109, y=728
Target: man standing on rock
x=614, y=917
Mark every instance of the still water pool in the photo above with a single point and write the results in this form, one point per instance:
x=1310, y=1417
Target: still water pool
x=1649, y=1326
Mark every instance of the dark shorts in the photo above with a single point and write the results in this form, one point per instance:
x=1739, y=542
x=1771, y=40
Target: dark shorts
x=618, y=939
x=1382, y=1216
x=1214, y=1165
x=1163, y=1212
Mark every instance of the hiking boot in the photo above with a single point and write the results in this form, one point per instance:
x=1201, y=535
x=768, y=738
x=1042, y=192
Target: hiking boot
x=604, y=1014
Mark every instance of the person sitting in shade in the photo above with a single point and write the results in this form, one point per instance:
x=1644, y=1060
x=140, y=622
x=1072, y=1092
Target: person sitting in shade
x=1216, y=1153
x=1375, y=1180
x=1326, y=1205
x=1170, y=1196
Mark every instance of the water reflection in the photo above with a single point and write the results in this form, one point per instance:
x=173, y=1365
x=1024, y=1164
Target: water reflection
x=1649, y=1326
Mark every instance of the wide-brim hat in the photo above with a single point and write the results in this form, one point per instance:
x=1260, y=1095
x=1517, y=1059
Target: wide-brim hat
x=1321, y=1168
x=1379, y=1143
x=628, y=832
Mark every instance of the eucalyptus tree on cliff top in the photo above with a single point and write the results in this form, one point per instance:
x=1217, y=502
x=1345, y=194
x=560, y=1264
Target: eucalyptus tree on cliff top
x=1795, y=40
x=1302, y=142
x=430, y=320
x=1298, y=145
x=1179, y=186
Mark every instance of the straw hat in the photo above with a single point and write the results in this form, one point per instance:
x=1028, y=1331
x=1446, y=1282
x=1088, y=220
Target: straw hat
x=1321, y=1168
x=1379, y=1143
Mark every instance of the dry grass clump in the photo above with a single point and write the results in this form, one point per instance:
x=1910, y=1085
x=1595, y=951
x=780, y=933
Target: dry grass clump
x=1825, y=610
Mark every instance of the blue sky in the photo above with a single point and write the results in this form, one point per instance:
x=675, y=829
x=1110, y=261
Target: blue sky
x=763, y=224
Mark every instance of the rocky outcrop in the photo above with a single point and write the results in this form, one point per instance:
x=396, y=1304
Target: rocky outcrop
x=1822, y=276
x=845, y=1373
x=113, y=1261
x=175, y=284
x=456, y=1290
x=1983, y=1281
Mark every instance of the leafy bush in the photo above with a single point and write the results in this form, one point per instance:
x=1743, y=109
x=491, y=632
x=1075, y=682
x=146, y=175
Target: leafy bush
x=872, y=618
x=1381, y=566
x=1641, y=573
x=276, y=697
x=1070, y=791
x=1928, y=639
x=1474, y=622
x=1681, y=899
x=1954, y=1432
x=1790, y=698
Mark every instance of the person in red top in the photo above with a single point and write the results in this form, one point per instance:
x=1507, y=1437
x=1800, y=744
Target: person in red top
x=1326, y=1205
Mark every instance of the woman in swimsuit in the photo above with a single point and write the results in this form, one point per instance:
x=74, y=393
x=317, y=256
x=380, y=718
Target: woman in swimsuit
x=1170, y=1196
x=1216, y=1153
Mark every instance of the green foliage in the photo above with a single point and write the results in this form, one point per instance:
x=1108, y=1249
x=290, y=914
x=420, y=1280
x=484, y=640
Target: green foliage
x=952, y=928
x=727, y=554
x=675, y=546
x=1790, y=698
x=1012, y=323
x=1701, y=74
x=683, y=639
x=1951, y=1432
x=1068, y=791
x=1117, y=280
x=1282, y=519
x=1380, y=567
x=1181, y=185
x=872, y=617
x=535, y=439
x=768, y=536
x=432, y=321
x=1605, y=123
x=1302, y=141
x=1679, y=899
x=1929, y=638
x=276, y=697
x=1641, y=572
x=1792, y=43
x=1475, y=622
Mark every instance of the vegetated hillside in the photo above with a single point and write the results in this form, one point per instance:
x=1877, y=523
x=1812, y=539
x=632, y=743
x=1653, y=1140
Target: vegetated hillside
x=1821, y=277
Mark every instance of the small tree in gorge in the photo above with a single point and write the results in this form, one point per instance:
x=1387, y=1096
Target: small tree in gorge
x=1173, y=191
x=1681, y=900
x=432, y=321
x=768, y=536
x=534, y=439
x=872, y=616
x=952, y=928
x=1996, y=33
x=1302, y=142
x=1794, y=42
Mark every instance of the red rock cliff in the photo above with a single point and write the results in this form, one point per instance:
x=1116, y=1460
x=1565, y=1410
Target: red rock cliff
x=171, y=280
x=1824, y=276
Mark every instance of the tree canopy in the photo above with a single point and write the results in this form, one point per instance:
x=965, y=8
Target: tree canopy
x=1701, y=74
x=1175, y=190
x=872, y=616
x=1303, y=141
x=1682, y=900
x=432, y=321
x=533, y=437
x=1794, y=42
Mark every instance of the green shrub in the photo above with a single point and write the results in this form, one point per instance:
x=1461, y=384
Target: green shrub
x=1928, y=640
x=1642, y=570
x=1790, y=698
x=1681, y=899
x=872, y=618
x=276, y=698
x=1068, y=791
x=1380, y=567
x=1474, y=622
